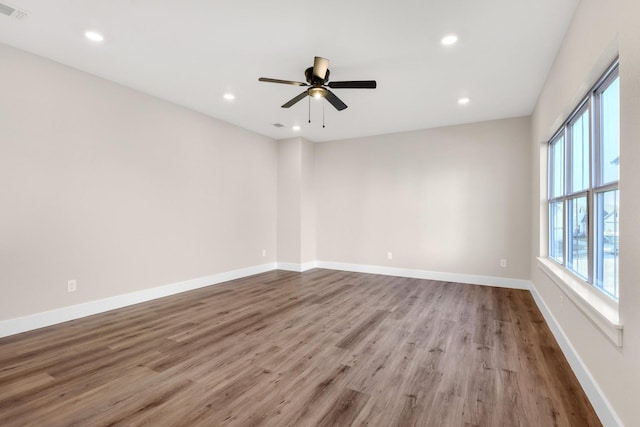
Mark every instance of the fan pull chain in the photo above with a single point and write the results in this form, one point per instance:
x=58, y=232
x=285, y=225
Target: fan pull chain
x=309, y=108
x=323, y=114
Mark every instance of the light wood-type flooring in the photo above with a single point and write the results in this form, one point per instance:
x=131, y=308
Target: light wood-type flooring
x=319, y=348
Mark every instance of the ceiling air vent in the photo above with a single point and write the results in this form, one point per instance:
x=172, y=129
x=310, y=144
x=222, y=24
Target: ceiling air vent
x=278, y=125
x=5, y=9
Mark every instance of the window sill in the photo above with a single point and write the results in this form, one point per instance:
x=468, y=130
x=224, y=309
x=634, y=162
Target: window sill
x=600, y=309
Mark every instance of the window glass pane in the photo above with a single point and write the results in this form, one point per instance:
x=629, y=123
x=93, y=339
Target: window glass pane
x=556, y=168
x=583, y=172
x=607, y=206
x=577, y=251
x=556, y=234
x=580, y=153
x=610, y=132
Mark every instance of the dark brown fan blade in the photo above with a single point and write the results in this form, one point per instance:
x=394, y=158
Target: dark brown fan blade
x=335, y=101
x=286, y=82
x=294, y=100
x=320, y=67
x=358, y=84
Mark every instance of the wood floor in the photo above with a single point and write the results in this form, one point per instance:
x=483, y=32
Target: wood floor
x=301, y=349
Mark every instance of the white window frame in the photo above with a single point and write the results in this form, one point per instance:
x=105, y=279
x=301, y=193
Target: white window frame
x=600, y=306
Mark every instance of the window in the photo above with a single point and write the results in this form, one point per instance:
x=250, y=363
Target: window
x=583, y=195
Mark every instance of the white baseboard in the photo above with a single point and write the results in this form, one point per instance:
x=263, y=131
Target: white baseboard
x=289, y=266
x=501, y=282
x=64, y=314
x=48, y=318
x=598, y=400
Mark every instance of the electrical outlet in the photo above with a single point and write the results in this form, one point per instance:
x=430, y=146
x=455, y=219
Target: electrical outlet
x=71, y=286
x=503, y=263
x=264, y=252
x=389, y=255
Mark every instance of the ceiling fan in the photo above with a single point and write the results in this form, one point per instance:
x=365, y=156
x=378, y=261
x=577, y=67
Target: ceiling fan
x=318, y=82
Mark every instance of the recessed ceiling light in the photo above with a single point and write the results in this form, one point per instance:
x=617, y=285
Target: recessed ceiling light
x=229, y=96
x=92, y=35
x=463, y=101
x=449, y=39
x=296, y=128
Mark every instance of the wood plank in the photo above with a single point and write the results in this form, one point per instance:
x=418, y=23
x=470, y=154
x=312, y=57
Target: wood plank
x=362, y=330
x=344, y=410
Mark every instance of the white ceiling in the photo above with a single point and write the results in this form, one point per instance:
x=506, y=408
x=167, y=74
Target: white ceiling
x=193, y=51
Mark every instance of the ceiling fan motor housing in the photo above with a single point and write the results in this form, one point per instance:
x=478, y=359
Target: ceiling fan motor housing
x=313, y=80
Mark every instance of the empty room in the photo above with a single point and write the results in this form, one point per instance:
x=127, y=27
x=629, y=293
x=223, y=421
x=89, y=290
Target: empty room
x=410, y=213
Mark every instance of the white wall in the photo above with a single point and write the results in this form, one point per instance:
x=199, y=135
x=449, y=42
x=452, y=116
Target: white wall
x=289, y=195
x=308, y=203
x=600, y=29
x=451, y=199
x=296, y=203
x=119, y=190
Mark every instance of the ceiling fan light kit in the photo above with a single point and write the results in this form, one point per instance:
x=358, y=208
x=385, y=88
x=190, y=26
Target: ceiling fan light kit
x=318, y=81
x=317, y=92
